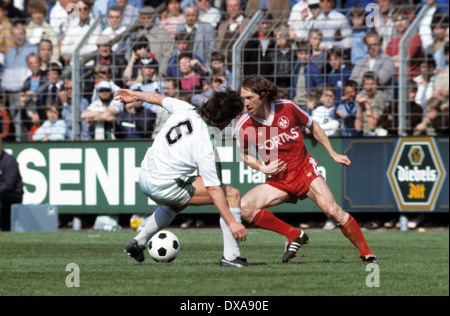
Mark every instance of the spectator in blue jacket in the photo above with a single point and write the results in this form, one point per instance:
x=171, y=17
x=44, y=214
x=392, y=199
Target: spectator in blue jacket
x=348, y=4
x=359, y=28
x=307, y=77
x=134, y=122
x=16, y=69
x=346, y=110
x=339, y=73
x=54, y=128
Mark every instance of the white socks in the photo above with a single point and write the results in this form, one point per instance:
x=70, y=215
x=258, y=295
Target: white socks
x=160, y=219
x=230, y=245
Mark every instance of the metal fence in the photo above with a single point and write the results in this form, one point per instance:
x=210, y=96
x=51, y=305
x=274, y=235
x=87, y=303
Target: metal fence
x=306, y=53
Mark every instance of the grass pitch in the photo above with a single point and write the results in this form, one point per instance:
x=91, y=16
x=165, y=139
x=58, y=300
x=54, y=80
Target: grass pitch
x=410, y=264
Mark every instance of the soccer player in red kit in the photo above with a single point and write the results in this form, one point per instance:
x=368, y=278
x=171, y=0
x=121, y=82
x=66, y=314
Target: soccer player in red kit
x=273, y=128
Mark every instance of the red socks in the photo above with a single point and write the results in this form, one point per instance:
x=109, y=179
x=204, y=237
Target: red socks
x=266, y=220
x=351, y=230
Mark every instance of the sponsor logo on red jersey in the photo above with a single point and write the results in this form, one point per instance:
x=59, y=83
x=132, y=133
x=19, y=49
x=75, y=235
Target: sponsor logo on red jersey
x=278, y=139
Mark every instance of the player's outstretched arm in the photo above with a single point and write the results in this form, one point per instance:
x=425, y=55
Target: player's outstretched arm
x=322, y=138
x=174, y=105
x=128, y=96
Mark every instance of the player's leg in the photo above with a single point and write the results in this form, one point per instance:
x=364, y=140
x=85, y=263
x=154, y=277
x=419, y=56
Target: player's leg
x=193, y=192
x=171, y=196
x=254, y=204
x=160, y=219
x=321, y=195
x=231, y=246
x=200, y=196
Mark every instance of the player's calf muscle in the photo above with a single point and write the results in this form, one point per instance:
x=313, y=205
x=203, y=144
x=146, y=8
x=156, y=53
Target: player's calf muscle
x=234, y=198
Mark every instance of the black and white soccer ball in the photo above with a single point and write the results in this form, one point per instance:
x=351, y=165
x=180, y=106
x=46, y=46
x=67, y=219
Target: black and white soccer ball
x=164, y=246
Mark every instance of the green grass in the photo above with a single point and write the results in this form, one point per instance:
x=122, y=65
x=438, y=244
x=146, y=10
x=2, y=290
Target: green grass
x=410, y=264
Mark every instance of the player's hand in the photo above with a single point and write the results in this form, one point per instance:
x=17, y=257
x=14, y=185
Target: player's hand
x=239, y=231
x=342, y=159
x=126, y=96
x=274, y=168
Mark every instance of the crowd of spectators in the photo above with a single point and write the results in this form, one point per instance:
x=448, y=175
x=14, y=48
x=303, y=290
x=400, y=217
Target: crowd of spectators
x=338, y=59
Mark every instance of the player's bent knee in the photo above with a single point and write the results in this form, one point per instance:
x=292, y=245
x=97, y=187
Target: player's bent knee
x=233, y=197
x=333, y=212
x=246, y=215
x=246, y=211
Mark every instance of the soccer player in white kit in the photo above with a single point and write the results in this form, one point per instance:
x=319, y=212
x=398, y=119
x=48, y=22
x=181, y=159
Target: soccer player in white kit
x=187, y=142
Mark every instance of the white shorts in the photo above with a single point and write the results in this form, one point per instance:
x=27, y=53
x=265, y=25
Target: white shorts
x=174, y=192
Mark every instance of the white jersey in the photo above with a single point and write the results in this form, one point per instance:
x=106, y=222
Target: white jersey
x=183, y=145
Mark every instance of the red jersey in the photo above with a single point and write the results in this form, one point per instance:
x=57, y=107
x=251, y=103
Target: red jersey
x=279, y=137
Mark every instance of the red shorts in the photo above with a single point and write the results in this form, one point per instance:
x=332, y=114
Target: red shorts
x=297, y=182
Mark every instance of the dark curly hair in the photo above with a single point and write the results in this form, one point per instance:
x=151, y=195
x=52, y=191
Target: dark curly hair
x=260, y=86
x=221, y=108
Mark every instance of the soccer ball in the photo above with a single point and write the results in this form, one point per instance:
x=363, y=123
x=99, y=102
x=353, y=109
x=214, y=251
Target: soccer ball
x=164, y=246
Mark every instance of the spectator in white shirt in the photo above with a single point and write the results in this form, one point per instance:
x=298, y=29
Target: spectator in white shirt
x=58, y=17
x=325, y=114
x=208, y=14
x=425, y=30
x=38, y=29
x=425, y=81
x=77, y=30
x=114, y=28
x=302, y=16
x=102, y=113
x=102, y=73
x=334, y=25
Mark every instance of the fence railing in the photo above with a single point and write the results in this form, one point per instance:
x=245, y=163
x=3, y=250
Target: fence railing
x=146, y=57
